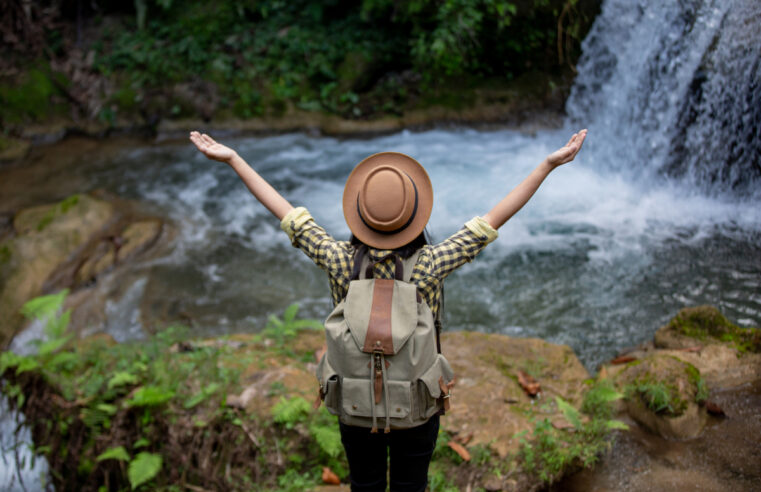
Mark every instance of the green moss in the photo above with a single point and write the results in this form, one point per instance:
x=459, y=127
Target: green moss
x=64, y=206
x=704, y=322
x=29, y=98
x=5, y=254
x=535, y=367
x=125, y=99
x=5, y=142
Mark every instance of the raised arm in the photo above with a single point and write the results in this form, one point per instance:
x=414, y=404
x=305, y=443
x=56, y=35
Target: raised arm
x=521, y=194
x=262, y=190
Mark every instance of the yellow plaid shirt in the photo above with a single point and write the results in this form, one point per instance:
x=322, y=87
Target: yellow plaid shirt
x=434, y=263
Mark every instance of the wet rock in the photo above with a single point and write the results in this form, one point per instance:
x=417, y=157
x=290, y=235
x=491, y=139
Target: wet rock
x=45, y=237
x=137, y=237
x=69, y=244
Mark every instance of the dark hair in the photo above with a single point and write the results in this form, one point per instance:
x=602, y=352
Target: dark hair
x=404, y=251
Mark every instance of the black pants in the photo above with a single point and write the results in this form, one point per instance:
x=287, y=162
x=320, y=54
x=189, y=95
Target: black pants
x=410, y=451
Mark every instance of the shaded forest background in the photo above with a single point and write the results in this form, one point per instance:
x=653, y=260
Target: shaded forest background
x=146, y=60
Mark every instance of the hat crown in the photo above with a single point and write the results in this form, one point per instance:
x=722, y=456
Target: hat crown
x=387, y=199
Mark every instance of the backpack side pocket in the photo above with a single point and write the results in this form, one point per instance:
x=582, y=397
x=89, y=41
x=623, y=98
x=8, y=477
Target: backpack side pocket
x=429, y=390
x=330, y=387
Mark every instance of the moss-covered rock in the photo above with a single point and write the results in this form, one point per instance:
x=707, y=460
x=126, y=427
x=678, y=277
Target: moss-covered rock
x=664, y=394
x=725, y=354
x=31, y=95
x=706, y=324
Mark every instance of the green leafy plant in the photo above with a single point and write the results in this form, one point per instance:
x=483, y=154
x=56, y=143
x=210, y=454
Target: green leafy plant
x=117, y=453
x=285, y=329
x=701, y=388
x=657, y=396
x=322, y=427
x=143, y=468
x=552, y=450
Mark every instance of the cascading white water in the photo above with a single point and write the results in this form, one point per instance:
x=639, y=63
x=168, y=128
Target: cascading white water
x=674, y=88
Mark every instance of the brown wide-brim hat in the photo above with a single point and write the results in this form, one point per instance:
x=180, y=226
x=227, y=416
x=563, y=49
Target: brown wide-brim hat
x=387, y=200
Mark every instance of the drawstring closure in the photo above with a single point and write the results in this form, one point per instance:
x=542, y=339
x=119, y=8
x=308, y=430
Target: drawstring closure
x=372, y=393
x=386, y=429
x=378, y=365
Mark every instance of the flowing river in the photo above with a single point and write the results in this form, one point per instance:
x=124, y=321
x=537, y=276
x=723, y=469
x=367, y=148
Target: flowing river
x=659, y=211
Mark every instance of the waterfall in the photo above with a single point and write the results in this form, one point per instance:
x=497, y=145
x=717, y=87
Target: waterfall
x=674, y=89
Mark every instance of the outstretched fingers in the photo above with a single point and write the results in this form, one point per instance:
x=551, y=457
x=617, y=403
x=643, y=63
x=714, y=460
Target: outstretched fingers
x=195, y=137
x=208, y=140
x=570, y=140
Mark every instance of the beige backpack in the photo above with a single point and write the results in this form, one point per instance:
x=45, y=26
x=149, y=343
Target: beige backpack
x=382, y=359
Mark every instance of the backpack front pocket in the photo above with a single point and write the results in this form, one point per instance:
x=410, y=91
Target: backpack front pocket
x=358, y=399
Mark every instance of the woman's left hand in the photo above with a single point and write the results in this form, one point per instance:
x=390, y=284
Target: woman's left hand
x=568, y=152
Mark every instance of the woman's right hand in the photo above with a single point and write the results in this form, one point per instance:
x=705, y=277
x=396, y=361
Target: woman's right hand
x=212, y=149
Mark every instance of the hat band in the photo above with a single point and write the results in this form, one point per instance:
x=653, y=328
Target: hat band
x=400, y=229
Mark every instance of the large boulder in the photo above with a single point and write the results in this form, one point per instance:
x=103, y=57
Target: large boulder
x=44, y=238
x=69, y=244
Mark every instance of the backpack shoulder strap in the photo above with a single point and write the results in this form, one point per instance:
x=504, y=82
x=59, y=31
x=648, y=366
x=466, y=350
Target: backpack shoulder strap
x=409, y=266
x=359, y=255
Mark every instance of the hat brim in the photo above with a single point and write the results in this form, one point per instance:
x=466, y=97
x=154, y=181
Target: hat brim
x=354, y=183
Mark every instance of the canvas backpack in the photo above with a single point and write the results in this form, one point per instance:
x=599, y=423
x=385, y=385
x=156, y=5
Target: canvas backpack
x=383, y=360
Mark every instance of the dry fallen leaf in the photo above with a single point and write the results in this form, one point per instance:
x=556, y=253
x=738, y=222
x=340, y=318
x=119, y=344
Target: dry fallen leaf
x=459, y=449
x=696, y=348
x=320, y=352
x=329, y=477
x=560, y=424
x=714, y=409
x=622, y=359
x=463, y=439
x=529, y=384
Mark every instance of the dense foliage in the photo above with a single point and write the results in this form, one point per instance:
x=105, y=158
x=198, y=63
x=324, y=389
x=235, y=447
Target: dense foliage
x=266, y=56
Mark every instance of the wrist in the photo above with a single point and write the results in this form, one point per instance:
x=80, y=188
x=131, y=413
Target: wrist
x=231, y=160
x=546, y=166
